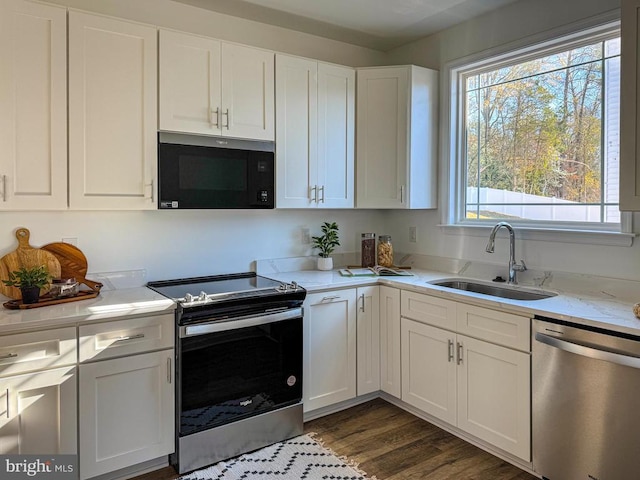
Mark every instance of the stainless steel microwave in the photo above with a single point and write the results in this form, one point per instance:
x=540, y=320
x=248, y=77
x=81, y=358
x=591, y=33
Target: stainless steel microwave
x=200, y=172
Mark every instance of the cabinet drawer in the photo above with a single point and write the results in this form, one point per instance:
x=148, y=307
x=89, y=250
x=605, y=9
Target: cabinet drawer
x=126, y=337
x=37, y=350
x=496, y=327
x=432, y=310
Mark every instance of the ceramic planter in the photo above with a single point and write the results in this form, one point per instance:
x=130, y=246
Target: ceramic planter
x=325, y=263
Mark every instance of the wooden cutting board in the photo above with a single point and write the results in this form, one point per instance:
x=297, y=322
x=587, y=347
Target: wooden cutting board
x=73, y=263
x=26, y=256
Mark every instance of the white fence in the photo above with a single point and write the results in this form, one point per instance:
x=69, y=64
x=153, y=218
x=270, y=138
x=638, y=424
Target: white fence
x=559, y=210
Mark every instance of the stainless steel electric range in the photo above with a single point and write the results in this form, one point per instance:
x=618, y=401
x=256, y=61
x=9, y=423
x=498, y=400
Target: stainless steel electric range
x=238, y=365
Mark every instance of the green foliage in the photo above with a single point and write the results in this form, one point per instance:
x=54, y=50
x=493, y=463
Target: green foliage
x=536, y=127
x=29, y=277
x=328, y=241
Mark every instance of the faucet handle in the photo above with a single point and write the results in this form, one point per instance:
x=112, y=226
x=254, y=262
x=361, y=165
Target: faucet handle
x=521, y=267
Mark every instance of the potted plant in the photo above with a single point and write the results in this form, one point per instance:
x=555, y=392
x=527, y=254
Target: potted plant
x=326, y=243
x=29, y=281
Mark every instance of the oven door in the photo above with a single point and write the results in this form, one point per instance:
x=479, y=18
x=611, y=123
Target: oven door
x=214, y=173
x=231, y=370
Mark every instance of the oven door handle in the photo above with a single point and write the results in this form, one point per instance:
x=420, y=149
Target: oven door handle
x=241, y=322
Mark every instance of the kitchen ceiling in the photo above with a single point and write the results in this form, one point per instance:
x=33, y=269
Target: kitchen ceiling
x=378, y=24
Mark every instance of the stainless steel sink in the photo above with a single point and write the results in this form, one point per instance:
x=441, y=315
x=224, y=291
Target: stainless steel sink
x=494, y=290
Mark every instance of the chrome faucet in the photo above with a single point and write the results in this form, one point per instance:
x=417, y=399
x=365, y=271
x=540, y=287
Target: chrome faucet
x=513, y=266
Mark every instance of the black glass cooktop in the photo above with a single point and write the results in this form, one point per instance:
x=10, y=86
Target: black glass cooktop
x=214, y=285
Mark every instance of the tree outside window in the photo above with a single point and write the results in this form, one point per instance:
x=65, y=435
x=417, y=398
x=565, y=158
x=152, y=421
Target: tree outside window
x=542, y=137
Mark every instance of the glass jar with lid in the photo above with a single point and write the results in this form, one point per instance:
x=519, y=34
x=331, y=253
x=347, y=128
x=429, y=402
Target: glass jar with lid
x=385, y=251
x=368, y=258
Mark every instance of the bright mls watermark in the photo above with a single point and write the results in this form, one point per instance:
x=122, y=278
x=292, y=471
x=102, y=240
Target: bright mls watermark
x=47, y=467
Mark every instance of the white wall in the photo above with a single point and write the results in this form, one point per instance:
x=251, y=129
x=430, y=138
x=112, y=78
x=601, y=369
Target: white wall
x=510, y=25
x=172, y=244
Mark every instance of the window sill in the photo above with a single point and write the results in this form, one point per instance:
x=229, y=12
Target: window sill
x=585, y=237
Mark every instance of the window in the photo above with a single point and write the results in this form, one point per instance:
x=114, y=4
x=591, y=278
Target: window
x=537, y=136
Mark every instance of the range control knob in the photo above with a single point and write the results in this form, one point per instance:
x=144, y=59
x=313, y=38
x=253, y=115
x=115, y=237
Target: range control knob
x=284, y=287
x=294, y=285
x=188, y=298
x=202, y=297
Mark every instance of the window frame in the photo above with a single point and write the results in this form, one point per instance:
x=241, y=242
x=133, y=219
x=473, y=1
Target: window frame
x=454, y=141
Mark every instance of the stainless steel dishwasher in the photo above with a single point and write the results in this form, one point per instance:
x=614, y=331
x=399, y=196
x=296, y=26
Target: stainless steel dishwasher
x=586, y=402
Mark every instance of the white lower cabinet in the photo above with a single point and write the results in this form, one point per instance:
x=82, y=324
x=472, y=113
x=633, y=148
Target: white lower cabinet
x=390, y=359
x=126, y=406
x=368, y=340
x=476, y=385
x=329, y=347
x=38, y=413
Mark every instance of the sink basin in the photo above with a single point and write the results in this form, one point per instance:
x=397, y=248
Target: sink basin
x=494, y=290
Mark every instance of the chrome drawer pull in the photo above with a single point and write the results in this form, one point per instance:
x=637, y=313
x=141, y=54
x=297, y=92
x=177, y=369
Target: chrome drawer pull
x=459, y=353
x=332, y=297
x=169, y=369
x=130, y=337
x=451, y=350
x=8, y=355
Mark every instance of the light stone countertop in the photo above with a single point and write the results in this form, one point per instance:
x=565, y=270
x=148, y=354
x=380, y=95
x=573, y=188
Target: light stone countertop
x=592, y=306
x=109, y=305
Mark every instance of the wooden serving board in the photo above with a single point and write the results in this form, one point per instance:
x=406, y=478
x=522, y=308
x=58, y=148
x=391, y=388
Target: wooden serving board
x=47, y=300
x=73, y=263
x=26, y=256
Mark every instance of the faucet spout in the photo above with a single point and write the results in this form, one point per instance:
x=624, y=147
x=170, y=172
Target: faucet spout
x=513, y=266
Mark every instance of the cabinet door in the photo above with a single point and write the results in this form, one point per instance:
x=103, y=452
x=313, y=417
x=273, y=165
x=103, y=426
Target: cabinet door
x=336, y=127
x=429, y=369
x=382, y=102
x=494, y=395
x=112, y=113
x=368, y=339
x=247, y=92
x=189, y=96
x=33, y=106
x=390, y=341
x=126, y=412
x=38, y=413
x=329, y=348
x=630, y=108
x=296, y=132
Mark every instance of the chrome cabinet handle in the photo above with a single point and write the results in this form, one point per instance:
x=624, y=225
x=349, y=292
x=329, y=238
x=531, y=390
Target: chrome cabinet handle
x=130, y=337
x=8, y=416
x=362, y=299
x=215, y=112
x=228, y=119
x=313, y=190
x=4, y=188
x=450, y=350
x=401, y=193
x=332, y=297
x=459, y=353
x=169, y=369
x=8, y=355
x=151, y=195
x=321, y=198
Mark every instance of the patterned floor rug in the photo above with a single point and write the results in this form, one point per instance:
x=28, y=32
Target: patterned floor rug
x=300, y=458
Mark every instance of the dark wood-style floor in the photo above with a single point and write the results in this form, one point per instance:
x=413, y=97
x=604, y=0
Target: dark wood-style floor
x=392, y=444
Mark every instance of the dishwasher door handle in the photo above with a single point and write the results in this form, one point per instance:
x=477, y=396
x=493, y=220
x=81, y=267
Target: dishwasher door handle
x=590, y=352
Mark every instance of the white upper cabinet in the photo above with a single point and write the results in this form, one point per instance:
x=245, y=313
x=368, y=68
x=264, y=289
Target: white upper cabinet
x=215, y=88
x=397, y=137
x=33, y=106
x=629, y=108
x=112, y=113
x=315, y=116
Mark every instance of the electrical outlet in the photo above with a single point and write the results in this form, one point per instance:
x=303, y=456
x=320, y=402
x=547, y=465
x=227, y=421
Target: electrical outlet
x=71, y=240
x=305, y=236
x=413, y=235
